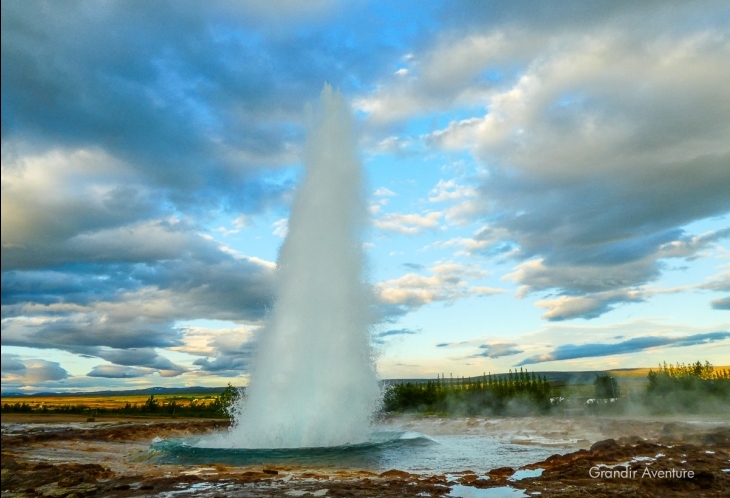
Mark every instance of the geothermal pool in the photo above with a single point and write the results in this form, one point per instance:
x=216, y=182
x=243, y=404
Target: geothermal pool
x=404, y=450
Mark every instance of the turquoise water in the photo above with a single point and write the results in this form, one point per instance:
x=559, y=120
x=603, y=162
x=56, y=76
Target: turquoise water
x=403, y=450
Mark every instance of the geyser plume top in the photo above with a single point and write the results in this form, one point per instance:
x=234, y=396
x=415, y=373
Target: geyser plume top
x=313, y=381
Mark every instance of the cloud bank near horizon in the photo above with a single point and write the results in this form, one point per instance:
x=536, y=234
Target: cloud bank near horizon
x=593, y=350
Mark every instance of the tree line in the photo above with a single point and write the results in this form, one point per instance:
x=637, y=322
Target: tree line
x=688, y=388
x=679, y=388
x=520, y=392
x=219, y=406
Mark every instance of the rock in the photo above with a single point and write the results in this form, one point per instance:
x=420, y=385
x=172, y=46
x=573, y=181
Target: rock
x=717, y=438
x=68, y=482
x=54, y=490
x=671, y=428
x=398, y=474
x=605, y=445
x=630, y=440
x=85, y=488
x=501, y=472
x=271, y=471
x=704, y=479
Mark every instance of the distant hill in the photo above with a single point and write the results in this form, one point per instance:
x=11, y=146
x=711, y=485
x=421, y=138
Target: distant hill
x=148, y=390
x=574, y=378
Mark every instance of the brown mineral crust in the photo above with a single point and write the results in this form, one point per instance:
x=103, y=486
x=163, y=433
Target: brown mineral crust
x=118, y=432
x=398, y=474
x=501, y=473
x=435, y=479
x=390, y=488
x=313, y=475
x=28, y=475
x=468, y=479
x=568, y=475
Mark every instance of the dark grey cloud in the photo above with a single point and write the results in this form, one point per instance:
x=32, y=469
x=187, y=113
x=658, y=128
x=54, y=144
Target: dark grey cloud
x=196, y=98
x=390, y=333
x=495, y=349
x=454, y=344
x=121, y=312
x=225, y=364
x=721, y=304
x=498, y=349
x=11, y=363
x=380, y=337
x=568, y=14
x=589, y=306
x=414, y=266
x=117, y=372
x=139, y=285
x=125, y=344
x=620, y=224
x=234, y=353
x=19, y=372
x=587, y=291
x=142, y=357
x=573, y=351
x=118, y=118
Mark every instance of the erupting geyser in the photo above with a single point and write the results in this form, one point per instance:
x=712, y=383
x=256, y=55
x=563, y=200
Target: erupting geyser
x=313, y=381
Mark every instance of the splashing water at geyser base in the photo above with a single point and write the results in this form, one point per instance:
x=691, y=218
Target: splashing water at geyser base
x=313, y=382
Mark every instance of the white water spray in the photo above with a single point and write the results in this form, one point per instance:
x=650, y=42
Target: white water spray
x=313, y=383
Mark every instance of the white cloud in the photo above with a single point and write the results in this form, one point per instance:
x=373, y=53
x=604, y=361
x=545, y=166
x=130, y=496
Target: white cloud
x=447, y=282
x=483, y=239
x=383, y=192
x=449, y=190
x=446, y=75
x=281, y=228
x=590, y=306
x=408, y=224
x=203, y=341
x=242, y=221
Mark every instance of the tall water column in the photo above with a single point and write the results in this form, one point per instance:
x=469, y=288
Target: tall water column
x=313, y=382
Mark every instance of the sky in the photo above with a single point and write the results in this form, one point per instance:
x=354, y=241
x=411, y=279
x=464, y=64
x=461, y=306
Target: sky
x=548, y=182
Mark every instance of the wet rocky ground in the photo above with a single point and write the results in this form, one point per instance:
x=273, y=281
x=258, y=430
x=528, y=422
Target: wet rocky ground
x=650, y=459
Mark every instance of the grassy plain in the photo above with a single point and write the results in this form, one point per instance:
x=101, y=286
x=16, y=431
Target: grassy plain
x=96, y=401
